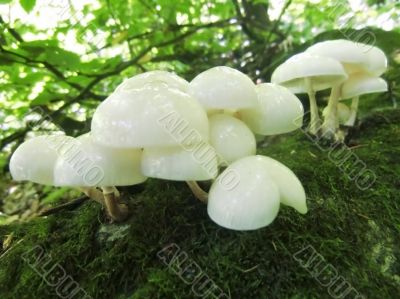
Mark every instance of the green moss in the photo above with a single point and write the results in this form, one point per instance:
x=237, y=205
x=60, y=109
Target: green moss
x=356, y=231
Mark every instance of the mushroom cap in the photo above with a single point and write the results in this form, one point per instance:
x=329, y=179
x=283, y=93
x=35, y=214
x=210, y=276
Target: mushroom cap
x=324, y=72
x=231, y=138
x=171, y=79
x=278, y=111
x=223, y=87
x=377, y=61
x=152, y=115
x=195, y=163
x=92, y=164
x=355, y=57
x=34, y=159
x=244, y=196
x=360, y=84
x=290, y=188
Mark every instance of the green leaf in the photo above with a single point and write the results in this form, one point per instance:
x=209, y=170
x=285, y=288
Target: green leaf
x=60, y=57
x=43, y=98
x=34, y=48
x=5, y=1
x=27, y=5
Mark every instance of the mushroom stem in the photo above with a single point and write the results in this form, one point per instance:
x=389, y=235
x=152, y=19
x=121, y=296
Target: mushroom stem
x=117, y=211
x=116, y=192
x=93, y=193
x=315, y=121
x=353, y=112
x=331, y=122
x=199, y=193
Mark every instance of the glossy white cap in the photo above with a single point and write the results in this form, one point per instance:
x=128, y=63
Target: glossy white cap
x=34, y=159
x=91, y=164
x=244, y=196
x=171, y=79
x=355, y=57
x=324, y=72
x=278, y=111
x=223, y=87
x=194, y=163
x=231, y=138
x=377, y=61
x=149, y=116
x=290, y=188
x=360, y=84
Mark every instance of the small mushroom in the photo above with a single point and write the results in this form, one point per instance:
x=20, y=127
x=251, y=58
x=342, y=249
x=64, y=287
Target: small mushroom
x=358, y=85
x=95, y=165
x=278, y=111
x=223, y=87
x=136, y=117
x=356, y=58
x=252, y=202
x=308, y=73
x=34, y=160
x=231, y=138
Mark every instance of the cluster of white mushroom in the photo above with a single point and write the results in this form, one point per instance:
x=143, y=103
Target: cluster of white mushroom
x=159, y=125
x=350, y=69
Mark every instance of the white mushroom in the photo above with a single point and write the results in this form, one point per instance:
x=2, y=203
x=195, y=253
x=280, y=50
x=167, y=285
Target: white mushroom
x=35, y=159
x=231, y=138
x=250, y=203
x=247, y=194
x=308, y=73
x=356, y=58
x=222, y=87
x=94, y=165
x=278, y=111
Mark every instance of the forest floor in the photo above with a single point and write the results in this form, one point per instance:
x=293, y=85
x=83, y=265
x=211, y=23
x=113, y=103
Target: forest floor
x=347, y=242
